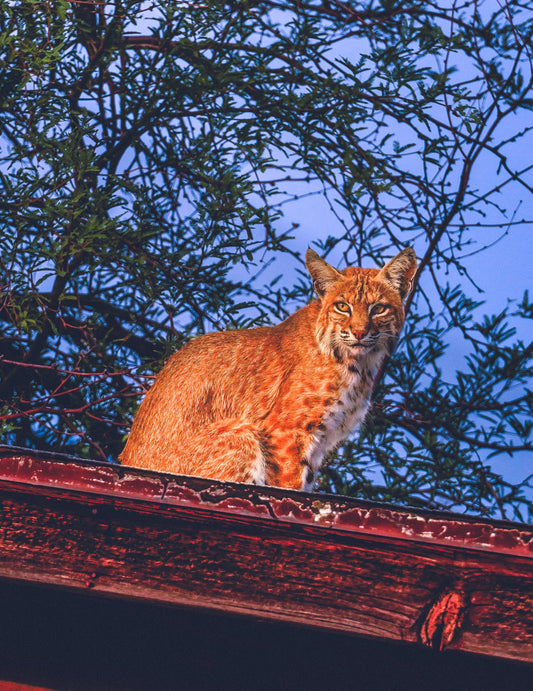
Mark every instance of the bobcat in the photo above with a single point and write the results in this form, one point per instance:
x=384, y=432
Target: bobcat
x=265, y=405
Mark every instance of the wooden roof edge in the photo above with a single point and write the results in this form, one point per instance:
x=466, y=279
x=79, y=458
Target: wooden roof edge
x=333, y=512
x=436, y=579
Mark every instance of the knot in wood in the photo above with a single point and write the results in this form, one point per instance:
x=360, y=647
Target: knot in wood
x=443, y=620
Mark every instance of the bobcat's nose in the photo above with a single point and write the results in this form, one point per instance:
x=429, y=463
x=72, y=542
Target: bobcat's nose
x=359, y=333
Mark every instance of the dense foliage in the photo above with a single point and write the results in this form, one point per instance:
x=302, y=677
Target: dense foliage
x=155, y=159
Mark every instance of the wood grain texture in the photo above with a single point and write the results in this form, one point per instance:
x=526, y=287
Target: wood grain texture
x=321, y=561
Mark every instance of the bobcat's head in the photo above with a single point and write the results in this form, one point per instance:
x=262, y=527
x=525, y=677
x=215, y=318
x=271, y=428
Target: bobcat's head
x=361, y=309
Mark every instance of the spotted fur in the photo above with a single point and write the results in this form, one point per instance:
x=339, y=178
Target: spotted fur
x=266, y=405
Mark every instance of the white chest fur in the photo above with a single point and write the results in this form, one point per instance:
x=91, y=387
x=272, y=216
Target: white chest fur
x=343, y=417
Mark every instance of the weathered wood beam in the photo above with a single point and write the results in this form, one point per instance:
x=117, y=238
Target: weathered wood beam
x=436, y=579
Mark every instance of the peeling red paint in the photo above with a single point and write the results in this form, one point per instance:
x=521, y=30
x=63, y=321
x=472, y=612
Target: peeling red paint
x=134, y=486
x=322, y=511
x=352, y=518
x=238, y=505
x=289, y=508
x=49, y=473
x=179, y=494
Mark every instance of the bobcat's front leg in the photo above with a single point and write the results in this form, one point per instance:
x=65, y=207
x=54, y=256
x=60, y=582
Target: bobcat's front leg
x=286, y=459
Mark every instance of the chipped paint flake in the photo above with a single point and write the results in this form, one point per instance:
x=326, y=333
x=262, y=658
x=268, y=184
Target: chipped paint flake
x=324, y=514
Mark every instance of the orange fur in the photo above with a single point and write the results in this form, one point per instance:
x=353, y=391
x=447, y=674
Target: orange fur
x=265, y=405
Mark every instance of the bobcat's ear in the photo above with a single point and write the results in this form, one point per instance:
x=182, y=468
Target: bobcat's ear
x=399, y=272
x=321, y=272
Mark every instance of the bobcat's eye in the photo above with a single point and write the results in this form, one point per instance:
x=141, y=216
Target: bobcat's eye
x=379, y=309
x=342, y=307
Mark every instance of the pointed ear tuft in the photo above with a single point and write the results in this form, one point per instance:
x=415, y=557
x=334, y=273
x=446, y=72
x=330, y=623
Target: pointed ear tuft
x=321, y=272
x=399, y=272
